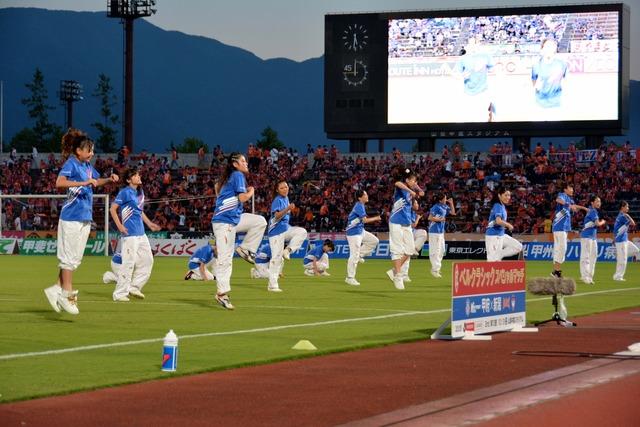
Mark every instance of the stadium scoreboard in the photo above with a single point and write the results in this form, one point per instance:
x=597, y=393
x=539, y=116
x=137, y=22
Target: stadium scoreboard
x=528, y=71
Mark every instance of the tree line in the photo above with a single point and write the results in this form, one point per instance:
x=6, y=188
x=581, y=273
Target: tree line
x=45, y=135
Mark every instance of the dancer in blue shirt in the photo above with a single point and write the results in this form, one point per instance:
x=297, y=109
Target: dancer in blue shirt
x=401, y=242
x=137, y=259
x=229, y=218
x=500, y=245
x=79, y=178
x=202, y=263
x=589, y=242
x=280, y=232
x=561, y=225
x=547, y=75
x=437, y=218
x=316, y=261
x=263, y=258
x=361, y=242
x=624, y=247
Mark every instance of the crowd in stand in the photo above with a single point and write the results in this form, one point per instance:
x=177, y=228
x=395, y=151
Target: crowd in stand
x=447, y=36
x=323, y=184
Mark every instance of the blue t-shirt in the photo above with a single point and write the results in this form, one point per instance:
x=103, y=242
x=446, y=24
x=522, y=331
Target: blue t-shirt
x=551, y=75
x=401, y=210
x=78, y=206
x=130, y=204
x=117, y=258
x=263, y=256
x=314, y=254
x=621, y=228
x=278, y=226
x=355, y=221
x=562, y=217
x=476, y=65
x=228, y=207
x=439, y=210
x=590, y=224
x=493, y=229
x=202, y=255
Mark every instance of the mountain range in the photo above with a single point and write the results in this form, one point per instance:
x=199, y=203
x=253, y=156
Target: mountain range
x=184, y=85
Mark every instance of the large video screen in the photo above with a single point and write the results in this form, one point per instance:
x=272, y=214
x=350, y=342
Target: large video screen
x=510, y=68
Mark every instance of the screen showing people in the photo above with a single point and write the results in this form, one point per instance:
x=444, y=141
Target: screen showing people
x=514, y=68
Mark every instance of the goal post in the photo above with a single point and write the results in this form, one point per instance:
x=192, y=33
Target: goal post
x=62, y=196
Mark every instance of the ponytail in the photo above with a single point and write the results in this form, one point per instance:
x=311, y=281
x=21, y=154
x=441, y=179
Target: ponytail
x=228, y=170
x=73, y=140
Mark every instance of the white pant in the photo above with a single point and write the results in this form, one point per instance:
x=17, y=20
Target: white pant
x=559, y=246
x=419, y=237
x=499, y=247
x=72, y=239
x=254, y=226
x=436, y=251
x=624, y=250
x=208, y=272
x=137, y=262
x=225, y=243
x=262, y=271
x=360, y=246
x=588, y=255
x=112, y=276
x=295, y=236
x=400, y=241
x=322, y=264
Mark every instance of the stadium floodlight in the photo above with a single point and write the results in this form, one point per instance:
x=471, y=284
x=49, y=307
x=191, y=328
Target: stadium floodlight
x=70, y=92
x=128, y=11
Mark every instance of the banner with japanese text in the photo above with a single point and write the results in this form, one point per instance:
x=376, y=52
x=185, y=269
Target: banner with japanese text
x=50, y=247
x=487, y=297
x=7, y=246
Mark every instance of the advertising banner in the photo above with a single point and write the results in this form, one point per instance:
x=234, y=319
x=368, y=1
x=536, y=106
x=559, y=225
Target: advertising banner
x=7, y=246
x=50, y=247
x=543, y=251
x=487, y=297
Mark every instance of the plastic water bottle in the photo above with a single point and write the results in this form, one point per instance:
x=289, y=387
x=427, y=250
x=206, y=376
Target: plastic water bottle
x=170, y=352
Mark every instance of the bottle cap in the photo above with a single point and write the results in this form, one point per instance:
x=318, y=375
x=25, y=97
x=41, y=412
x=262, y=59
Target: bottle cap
x=171, y=338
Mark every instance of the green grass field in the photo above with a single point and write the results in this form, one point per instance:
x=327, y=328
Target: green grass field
x=127, y=337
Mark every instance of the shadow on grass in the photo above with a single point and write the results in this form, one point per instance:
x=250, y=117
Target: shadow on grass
x=378, y=294
x=204, y=302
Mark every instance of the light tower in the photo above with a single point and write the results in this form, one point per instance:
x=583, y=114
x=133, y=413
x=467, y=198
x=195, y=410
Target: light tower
x=128, y=11
x=70, y=92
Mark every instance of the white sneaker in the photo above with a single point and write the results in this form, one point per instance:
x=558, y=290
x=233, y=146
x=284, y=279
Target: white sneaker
x=309, y=272
x=619, y=279
x=109, y=277
x=361, y=260
x=133, y=292
x=270, y=289
x=223, y=300
x=407, y=279
x=286, y=253
x=351, y=281
x=123, y=298
x=325, y=273
x=398, y=283
x=68, y=301
x=436, y=274
x=391, y=275
x=246, y=255
x=52, y=293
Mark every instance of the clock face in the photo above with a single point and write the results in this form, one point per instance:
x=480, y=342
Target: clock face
x=355, y=72
x=355, y=37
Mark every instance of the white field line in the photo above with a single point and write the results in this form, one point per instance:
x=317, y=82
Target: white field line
x=215, y=334
x=267, y=329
